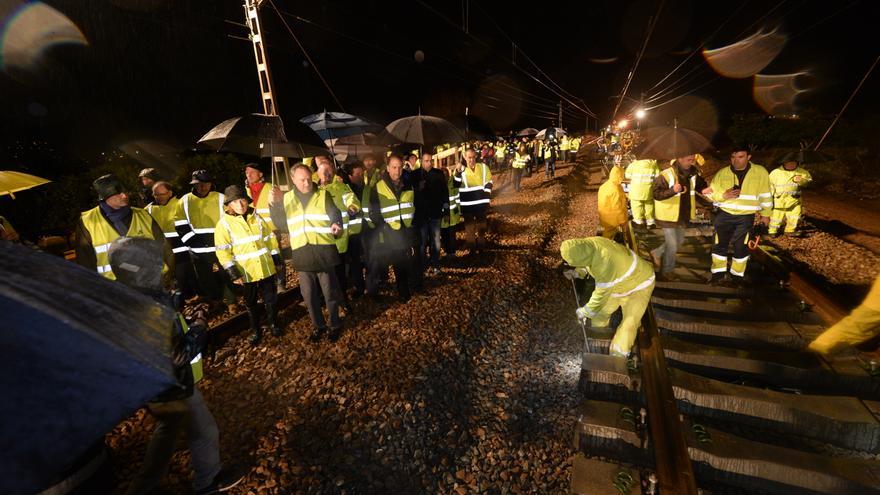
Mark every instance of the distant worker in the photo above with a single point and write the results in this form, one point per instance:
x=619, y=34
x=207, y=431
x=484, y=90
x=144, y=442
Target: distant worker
x=675, y=206
x=111, y=219
x=196, y=218
x=521, y=159
x=623, y=280
x=740, y=191
x=474, y=182
x=349, y=206
x=148, y=177
x=612, y=204
x=451, y=214
x=641, y=175
x=785, y=184
x=862, y=324
x=259, y=191
x=574, y=145
x=248, y=250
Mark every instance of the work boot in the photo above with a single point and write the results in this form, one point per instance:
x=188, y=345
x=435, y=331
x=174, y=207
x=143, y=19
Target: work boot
x=717, y=279
x=667, y=277
x=334, y=334
x=271, y=316
x=257, y=334
x=316, y=334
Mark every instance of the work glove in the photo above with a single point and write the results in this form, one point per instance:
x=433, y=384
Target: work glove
x=571, y=274
x=582, y=315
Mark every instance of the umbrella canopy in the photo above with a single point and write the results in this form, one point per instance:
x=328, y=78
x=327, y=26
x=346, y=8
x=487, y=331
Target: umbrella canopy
x=667, y=143
x=806, y=156
x=357, y=145
x=558, y=130
x=263, y=135
x=528, y=131
x=332, y=125
x=423, y=130
x=80, y=353
x=12, y=182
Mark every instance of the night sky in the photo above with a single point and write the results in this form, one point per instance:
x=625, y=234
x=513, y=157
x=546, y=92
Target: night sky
x=169, y=70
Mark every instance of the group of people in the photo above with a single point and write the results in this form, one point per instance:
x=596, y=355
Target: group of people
x=670, y=198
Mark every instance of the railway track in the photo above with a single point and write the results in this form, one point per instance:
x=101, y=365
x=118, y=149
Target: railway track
x=722, y=398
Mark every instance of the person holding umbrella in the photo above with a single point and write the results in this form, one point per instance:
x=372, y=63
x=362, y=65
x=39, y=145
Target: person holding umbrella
x=785, y=184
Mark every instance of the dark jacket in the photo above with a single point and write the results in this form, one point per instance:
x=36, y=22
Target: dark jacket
x=661, y=190
x=431, y=194
x=311, y=257
x=85, y=251
x=184, y=348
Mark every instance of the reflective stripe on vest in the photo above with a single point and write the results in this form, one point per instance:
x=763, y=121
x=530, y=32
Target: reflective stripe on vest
x=395, y=212
x=667, y=210
x=196, y=363
x=310, y=225
x=103, y=234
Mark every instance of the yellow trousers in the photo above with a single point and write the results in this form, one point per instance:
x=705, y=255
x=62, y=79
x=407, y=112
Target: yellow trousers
x=608, y=230
x=642, y=210
x=633, y=307
x=790, y=216
x=861, y=325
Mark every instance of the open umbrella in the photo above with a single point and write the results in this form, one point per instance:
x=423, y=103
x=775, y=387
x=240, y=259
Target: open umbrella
x=528, y=131
x=332, y=125
x=12, y=182
x=666, y=143
x=263, y=135
x=358, y=144
x=423, y=130
x=559, y=131
x=80, y=353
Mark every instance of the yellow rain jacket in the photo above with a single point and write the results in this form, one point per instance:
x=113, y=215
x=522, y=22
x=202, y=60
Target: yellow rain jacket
x=612, y=202
x=641, y=174
x=786, y=192
x=861, y=325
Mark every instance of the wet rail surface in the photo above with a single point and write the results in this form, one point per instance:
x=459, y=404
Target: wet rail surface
x=722, y=397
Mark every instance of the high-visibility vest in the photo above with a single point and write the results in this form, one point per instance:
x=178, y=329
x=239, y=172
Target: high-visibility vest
x=564, y=142
x=667, y=210
x=786, y=192
x=261, y=205
x=574, y=145
x=103, y=234
x=164, y=216
x=370, y=180
x=641, y=174
x=196, y=363
x=474, y=187
x=454, y=217
x=344, y=198
x=246, y=244
x=309, y=225
x=754, y=194
x=520, y=161
x=198, y=217
x=396, y=212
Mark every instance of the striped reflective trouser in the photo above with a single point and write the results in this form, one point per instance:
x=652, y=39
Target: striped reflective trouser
x=731, y=230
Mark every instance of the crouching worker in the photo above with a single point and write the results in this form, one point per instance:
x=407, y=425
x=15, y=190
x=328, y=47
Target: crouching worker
x=248, y=251
x=623, y=280
x=137, y=263
x=861, y=325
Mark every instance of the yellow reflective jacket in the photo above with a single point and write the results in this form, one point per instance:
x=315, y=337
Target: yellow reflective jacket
x=196, y=218
x=261, y=205
x=164, y=216
x=612, y=199
x=454, y=216
x=247, y=243
x=103, y=234
x=617, y=270
x=786, y=192
x=641, y=174
x=861, y=325
x=344, y=198
x=754, y=195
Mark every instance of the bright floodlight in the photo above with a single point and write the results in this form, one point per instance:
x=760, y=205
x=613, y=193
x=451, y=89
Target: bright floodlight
x=640, y=114
x=622, y=124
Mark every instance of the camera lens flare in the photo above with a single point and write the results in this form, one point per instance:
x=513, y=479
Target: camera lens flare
x=747, y=57
x=28, y=30
x=776, y=94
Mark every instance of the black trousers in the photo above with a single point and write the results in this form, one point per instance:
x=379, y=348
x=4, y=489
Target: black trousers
x=355, y=262
x=475, y=230
x=401, y=262
x=213, y=285
x=731, y=229
x=517, y=178
x=185, y=275
x=312, y=285
x=447, y=238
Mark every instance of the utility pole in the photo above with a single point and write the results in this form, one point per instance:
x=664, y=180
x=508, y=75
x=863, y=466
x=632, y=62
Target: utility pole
x=560, y=115
x=267, y=95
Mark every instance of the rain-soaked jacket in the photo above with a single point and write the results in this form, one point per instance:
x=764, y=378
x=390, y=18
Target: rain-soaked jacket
x=617, y=270
x=861, y=325
x=612, y=199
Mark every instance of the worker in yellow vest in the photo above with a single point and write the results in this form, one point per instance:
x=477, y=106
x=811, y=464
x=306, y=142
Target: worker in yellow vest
x=574, y=145
x=623, y=280
x=474, y=182
x=357, y=226
x=521, y=159
x=195, y=220
x=860, y=326
x=259, y=191
x=740, y=191
x=111, y=219
x=313, y=222
x=248, y=251
x=163, y=209
x=349, y=205
x=640, y=174
x=564, y=145
x=785, y=184
x=392, y=207
x=452, y=214
x=676, y=193
x=612, y=204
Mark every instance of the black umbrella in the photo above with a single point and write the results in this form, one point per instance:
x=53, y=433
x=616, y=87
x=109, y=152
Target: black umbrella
x=80, y=353
x=666, y=143
x=263, y=135
x=332, y=125
x=423, y=130
x=528, y=131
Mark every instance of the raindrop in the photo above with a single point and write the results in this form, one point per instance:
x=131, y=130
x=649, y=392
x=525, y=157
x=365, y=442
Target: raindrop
x=419, y=56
